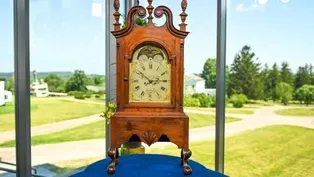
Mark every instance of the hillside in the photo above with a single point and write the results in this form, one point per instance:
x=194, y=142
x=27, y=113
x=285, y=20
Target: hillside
x=64, y=74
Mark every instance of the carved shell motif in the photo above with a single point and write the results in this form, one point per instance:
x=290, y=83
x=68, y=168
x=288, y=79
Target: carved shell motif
x=149, y=137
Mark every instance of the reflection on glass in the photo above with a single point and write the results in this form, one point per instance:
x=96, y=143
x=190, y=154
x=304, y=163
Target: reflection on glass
x=269, y=79
x=67, y=84
x=7, y=116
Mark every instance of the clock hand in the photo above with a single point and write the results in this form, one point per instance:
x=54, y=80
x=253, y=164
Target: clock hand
x=150, y=81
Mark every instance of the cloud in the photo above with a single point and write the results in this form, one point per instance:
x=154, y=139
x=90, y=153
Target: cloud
x=242, y=8
x=285, y=1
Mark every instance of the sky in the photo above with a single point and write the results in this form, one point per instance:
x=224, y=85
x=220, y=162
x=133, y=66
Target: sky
x=70, y=34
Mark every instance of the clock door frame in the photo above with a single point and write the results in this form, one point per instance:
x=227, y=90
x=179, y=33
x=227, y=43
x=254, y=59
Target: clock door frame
x=171, y=58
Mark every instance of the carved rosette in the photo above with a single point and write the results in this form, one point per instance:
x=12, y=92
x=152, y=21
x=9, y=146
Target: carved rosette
x=141, y=12
x=149, y=137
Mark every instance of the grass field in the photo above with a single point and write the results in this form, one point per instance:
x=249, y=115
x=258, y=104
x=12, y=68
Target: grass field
x=49, y=110
x=251, y=153
x=96, y=130
x=296, y=112
x=228, y=110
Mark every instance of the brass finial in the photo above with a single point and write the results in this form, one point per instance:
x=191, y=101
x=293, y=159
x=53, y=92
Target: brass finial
x=116, y=14
x=184, y=5
x=150, y=9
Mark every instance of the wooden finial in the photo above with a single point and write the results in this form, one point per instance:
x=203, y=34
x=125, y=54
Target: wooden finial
x=116, y=5
x=150, y=9
x=184, y=5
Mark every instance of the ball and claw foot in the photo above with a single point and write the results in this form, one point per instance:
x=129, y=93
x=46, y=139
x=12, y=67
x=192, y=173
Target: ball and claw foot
x=185, y=155
x=113, y=153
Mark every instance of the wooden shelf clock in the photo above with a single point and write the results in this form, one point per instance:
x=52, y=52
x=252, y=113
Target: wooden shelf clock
x=150, y=83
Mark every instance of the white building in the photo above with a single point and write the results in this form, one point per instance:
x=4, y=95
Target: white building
x=2, y=82
x=5, y=96
x=196, y=84
x=39, y=88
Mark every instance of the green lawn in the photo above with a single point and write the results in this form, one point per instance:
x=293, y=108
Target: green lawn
x=297, y=112
x=289, y=152
x=49, y=110
x=251, y=153
x=9, y=108
x=228, y=110
x=96, y=130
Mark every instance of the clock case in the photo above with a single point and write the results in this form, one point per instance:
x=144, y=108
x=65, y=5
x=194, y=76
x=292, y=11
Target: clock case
x=144, y=121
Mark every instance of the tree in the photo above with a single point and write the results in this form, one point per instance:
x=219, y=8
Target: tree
x=77, y=82
x=245, y=77
x=284, y=92
x=55, y=83
x=265, y=75
x=138, y=21
x=305, y=94
x=286, y=73
x=209, y=73
x=9, y=84
x=275, y=80
x=303, y=76
x=99, y=80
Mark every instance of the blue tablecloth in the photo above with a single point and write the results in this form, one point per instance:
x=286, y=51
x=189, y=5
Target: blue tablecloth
x=146, y=165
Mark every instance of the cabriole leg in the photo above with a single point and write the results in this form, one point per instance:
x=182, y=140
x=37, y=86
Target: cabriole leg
x=113, y=153
x=185, y=155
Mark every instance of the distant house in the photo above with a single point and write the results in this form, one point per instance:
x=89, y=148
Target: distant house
x=94, y=88
x=196, y=84
x=5, y=96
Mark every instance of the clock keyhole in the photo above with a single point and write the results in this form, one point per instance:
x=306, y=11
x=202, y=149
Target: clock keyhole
x=126, y=79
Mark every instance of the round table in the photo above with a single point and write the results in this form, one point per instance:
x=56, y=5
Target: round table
x=146, y=165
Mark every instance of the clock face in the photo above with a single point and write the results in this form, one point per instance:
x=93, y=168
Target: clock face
x=149, y=75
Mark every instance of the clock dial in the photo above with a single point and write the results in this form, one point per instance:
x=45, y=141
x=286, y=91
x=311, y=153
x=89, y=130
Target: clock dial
x=150, y=74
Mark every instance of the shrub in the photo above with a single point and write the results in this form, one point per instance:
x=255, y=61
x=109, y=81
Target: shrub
x=191, y=102
x=88, y=94
x=101, y=93
x=72, y=93
x=205, y=100
x=285, y=92
x=238, y=100
x=97, y=96
x=79, y=95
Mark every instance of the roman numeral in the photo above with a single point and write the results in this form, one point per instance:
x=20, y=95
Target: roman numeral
x=137, y=88
x=150, y=66
x=164, y=81
x=163, y=88
x=149, y=95
x=163, y=73
x=158, y=95
x=135, y=80
x=157, y=68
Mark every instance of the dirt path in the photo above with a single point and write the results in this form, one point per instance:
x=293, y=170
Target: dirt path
x=95, y=148
x=63, y=125
x=54, y=127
